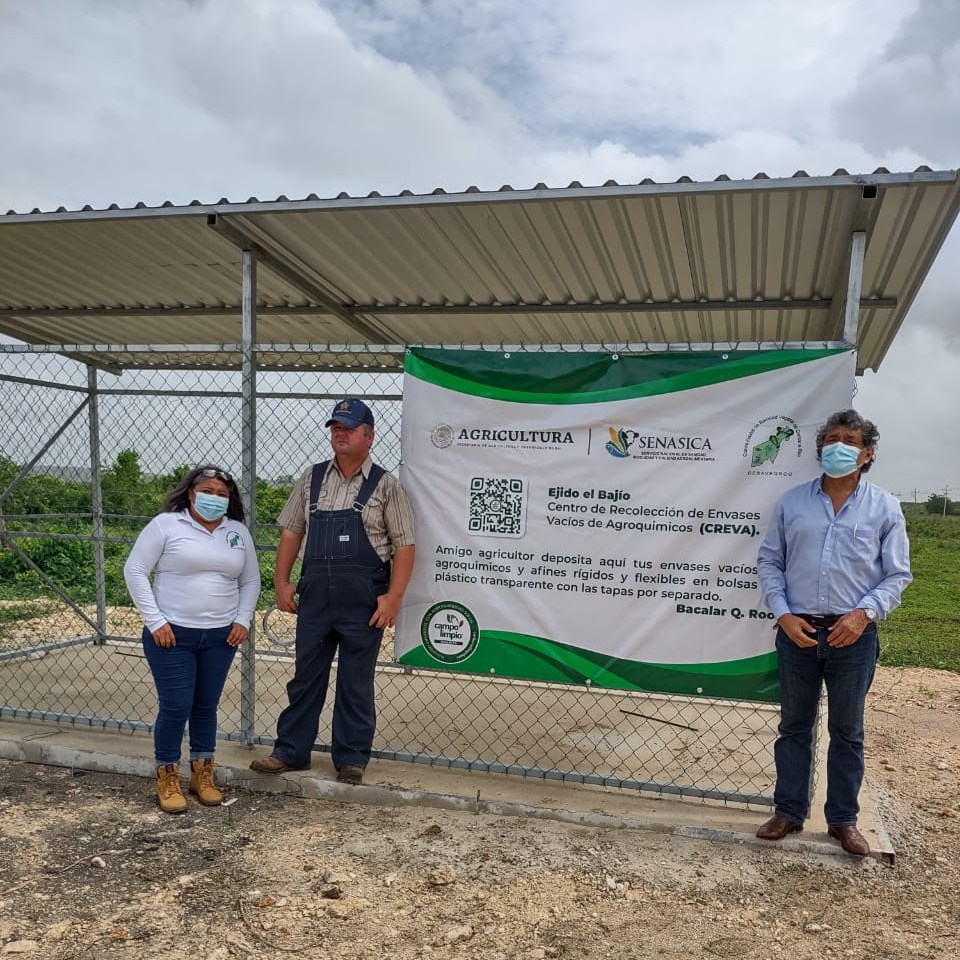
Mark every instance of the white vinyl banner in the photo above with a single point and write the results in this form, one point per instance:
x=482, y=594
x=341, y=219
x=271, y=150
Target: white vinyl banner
x=584, y=518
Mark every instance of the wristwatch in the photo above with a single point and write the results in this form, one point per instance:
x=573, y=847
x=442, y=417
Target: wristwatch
x=870, y=613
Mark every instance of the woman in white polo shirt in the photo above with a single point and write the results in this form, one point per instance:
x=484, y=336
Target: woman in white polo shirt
x=196, y=613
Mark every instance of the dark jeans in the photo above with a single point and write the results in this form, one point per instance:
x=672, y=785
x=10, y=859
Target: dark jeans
x=847, y=673
x=189, y=679
x=332, y=616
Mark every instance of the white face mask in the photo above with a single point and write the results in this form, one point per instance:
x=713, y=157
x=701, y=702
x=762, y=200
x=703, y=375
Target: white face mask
x=839, y=459
x=210, y=506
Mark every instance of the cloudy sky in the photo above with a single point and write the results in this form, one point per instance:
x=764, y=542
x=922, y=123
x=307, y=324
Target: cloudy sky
x=123, y=100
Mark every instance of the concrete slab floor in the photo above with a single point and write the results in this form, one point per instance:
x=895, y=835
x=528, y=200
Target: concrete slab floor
x=389, y=783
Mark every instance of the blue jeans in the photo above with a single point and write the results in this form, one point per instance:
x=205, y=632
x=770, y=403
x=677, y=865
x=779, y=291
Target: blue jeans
x=847, y=673
x=189, y=678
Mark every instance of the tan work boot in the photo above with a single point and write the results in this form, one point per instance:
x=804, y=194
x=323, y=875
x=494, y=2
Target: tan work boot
x=201, y=782
x=169, y=794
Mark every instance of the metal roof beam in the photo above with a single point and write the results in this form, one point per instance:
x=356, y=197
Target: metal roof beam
x=107, y=364
x=272, y=255
x=504, y=195
x=107, y=349
x=641, y=306
x=55, y=313
x=851, y=313
x=375, y=349
x=391, y=310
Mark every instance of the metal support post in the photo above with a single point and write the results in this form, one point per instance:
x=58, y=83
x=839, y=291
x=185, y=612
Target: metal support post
x=851, y=313
x=815, y=749
x=248, y=389
x=96, y=504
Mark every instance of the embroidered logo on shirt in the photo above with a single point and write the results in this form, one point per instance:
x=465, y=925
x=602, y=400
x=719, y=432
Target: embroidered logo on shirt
x=235, y=541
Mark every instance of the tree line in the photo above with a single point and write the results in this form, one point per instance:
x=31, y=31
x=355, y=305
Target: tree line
x=59, y=508
x=941, y=506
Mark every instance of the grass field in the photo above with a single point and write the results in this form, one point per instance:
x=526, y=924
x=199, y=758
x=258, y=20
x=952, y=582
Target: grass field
x=925, y=630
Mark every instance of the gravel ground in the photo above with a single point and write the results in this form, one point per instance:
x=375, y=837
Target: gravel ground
x=89, y=868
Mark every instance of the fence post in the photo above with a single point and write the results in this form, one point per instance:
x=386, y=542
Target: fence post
x=815, y=751
x=851, y=314
x=248, y=388
x=96, y=503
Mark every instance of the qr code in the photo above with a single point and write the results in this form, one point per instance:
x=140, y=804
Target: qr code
x=497, y=507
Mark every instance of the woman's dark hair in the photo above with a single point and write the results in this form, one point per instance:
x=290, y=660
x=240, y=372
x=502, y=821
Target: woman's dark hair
x=179, y=497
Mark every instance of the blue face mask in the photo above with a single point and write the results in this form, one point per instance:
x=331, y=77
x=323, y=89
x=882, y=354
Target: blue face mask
x=210, y=506
x=839, y=459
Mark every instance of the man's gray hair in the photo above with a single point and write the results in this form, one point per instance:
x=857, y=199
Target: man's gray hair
x=853, y=420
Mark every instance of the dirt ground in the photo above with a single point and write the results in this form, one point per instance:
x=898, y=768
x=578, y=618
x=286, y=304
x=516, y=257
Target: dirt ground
x=90, y=868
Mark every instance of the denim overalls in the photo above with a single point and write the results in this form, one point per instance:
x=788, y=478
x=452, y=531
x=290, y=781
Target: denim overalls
x=342, y=577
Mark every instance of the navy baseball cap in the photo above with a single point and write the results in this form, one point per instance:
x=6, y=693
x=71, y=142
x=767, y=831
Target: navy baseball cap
x=351, y=412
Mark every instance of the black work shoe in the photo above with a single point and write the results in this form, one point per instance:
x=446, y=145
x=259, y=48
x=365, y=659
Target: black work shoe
x=350, y=774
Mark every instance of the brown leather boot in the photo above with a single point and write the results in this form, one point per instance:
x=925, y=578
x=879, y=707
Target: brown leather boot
x=169, y=794
x=201, y=782
x=777, y=827
x=851, y=839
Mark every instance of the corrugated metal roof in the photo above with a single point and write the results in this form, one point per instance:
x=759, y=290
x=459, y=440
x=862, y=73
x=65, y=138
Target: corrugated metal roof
x=759, y=260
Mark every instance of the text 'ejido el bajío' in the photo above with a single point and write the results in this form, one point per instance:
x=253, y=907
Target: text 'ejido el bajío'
x=557, y=493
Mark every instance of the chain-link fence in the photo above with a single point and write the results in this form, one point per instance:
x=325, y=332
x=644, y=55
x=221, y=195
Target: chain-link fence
x=86, y=457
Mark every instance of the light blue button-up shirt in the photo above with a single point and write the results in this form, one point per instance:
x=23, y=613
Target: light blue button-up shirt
x=815, y=561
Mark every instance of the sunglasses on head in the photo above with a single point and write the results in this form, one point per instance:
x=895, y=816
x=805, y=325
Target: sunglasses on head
x=212, y=472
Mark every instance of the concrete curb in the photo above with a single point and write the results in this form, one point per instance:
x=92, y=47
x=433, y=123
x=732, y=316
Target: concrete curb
x=39, y=750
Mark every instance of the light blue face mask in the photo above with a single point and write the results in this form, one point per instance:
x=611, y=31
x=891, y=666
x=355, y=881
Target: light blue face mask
x=839, y=459
x=210, y=506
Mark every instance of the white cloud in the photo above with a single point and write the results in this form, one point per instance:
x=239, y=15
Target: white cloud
x=740, y=155
x=176, y=100
x=115, y=100
x=656, y=76
x=228, y=97
x=910, y=400
x=937, y=307
x=908, y=94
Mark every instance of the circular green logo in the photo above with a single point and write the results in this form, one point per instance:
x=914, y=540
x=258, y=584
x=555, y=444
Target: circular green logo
x=449, y=632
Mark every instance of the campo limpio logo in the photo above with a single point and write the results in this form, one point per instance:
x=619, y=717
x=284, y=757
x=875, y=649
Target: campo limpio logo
x=449, y=632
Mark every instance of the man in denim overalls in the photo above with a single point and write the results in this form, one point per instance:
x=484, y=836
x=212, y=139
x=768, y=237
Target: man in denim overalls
x=357, y=519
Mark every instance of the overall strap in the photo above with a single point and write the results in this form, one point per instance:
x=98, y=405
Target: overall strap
x=316, y=482
x=368, y=486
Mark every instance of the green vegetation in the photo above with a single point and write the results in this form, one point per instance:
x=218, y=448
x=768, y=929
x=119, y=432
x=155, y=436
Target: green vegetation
x=130, y=499
x=941, y=506
x=925, y=631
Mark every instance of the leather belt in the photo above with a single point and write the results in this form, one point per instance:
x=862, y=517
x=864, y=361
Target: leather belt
x=822, y=621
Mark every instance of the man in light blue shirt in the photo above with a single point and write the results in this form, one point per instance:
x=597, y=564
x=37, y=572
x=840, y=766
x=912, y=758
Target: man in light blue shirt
x=835, y=560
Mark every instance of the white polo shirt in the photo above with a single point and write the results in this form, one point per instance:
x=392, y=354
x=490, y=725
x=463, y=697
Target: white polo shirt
x=202, y=579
